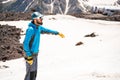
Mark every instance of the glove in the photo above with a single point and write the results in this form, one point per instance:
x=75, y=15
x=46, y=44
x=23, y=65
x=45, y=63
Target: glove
x=61, y=35
x=29, y=60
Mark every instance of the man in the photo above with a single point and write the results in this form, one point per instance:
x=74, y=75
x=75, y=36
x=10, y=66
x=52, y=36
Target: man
x=32, y=42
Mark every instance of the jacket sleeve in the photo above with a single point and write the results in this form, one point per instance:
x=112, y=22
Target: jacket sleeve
x=28, y=36
x=45, y=30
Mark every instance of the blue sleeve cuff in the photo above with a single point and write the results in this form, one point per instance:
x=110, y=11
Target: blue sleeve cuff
x=28, y=54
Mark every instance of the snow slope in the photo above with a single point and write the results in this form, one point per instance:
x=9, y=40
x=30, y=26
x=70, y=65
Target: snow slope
x=6, y=1
x=59, y=59
x=102, y=2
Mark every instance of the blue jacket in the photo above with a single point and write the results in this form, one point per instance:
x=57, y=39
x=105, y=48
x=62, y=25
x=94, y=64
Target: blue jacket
x=32, y=39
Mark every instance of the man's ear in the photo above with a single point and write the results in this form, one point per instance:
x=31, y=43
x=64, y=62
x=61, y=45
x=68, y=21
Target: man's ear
x=35, y=21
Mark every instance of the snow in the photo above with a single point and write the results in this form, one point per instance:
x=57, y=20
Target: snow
x=101, y=2
x=6, y=1
x=28, y=5
x=52, y=2
x=59, y=58
x=66, y=7
x=107, y=4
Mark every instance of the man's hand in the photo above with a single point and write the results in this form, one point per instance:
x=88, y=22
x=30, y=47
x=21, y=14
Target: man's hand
x=61, y=35
x=29, y=60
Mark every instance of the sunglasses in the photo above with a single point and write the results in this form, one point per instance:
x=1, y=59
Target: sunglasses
x=41, y=18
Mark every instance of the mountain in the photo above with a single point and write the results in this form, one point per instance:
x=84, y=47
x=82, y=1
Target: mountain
x=52, y=6
x=44, y=6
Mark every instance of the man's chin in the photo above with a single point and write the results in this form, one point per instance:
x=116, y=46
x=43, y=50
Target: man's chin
x=40, y=23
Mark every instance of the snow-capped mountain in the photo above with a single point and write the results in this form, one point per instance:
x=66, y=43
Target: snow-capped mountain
x=44, y=6
x=53, y=6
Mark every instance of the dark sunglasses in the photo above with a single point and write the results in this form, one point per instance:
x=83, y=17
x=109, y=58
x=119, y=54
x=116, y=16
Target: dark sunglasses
x=40, y=18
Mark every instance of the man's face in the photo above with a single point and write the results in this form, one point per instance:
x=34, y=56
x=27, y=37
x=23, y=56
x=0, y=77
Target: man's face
x=38, y=21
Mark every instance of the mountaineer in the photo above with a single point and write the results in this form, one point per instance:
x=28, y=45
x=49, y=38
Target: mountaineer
x=32, y=42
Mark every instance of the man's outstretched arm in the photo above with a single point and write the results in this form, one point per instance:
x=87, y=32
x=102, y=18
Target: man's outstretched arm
x=45, y=30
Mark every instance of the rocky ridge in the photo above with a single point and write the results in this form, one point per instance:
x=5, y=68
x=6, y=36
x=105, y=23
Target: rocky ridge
x=10, y=47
